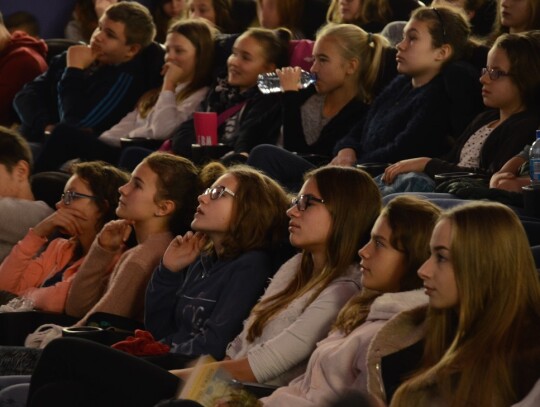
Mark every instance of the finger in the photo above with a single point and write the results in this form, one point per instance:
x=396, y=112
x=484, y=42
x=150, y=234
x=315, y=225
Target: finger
x=127, y=232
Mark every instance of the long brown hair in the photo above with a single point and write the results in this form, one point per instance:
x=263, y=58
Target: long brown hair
x=370, y=11
x=476, y=346
x=354, y=201
x=411, y=220
x=201, y=34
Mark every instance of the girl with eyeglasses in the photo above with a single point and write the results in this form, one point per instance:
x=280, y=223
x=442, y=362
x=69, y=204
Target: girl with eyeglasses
x=350, y=356
x=510, y=89
x=155, y=207
x=42, y=270
x=282, y=330
x=482, y=342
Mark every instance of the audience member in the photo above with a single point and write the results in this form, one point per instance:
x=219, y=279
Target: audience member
x=22, y=58
x=480, y=13
x=42, y=271
x=273, y=14
x=23, y=21
x=186, y=74
x=86, y=15
x=158, y=201
x=347, y=63
x=93, y=87
x=246, y=117
x=165, y=13
x=363, y=333
x=511, y=89
x=218, y=12
x=482, y=344
x=516, y=17
x=19, y=211
x=296, y=310
x=371, y=15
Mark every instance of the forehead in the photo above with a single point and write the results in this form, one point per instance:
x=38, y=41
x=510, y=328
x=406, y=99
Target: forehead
x=382, y=227
x=77, y=184
x=442, y=234
x=310, y=187
x=178, y=40
x=227, y=180
x=497, y=58
x=200, y=3
x=422, y=27
x=116, y=27
x=325, y=45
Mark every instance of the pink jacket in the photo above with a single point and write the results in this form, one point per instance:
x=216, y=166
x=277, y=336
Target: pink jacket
x=23, y=273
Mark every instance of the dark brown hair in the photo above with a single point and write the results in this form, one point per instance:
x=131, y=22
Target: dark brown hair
x=139, y=26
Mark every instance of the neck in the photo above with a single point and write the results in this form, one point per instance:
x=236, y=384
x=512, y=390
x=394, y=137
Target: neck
x=506, y=112
x=26, y=193
x=319, y=261
x=147, y=228
x=424, y=78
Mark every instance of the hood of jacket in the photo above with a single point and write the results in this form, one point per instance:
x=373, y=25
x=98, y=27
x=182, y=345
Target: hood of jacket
x=20, y=39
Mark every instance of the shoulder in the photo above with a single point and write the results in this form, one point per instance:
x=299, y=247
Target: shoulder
x=390, y=304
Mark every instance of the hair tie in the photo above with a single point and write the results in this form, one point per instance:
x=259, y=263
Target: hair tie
x=370, y=41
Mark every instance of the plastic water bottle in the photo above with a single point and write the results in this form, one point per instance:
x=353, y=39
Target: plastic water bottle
x=534, y=160
x=269, y=82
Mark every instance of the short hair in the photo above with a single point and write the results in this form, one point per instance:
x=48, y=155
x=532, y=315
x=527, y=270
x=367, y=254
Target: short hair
x=139, y=27
x=446, y=25
x=259, y=219
x=523, y=52
x=103, y=180
x=13, y=148
x=275, y=44
x=23, y=19
x=178, y=181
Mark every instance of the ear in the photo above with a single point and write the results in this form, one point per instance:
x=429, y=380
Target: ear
x=21, y=170
x=352, y=66
x=133, y=50
x=444, y=53
x=165, y=207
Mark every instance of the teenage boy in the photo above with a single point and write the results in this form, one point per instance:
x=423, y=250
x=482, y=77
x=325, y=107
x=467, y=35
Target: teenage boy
x=92, y=87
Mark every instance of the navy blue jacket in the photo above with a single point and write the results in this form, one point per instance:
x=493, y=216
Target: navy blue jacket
x=200, y=310
x=406, y=122
x=95, y=98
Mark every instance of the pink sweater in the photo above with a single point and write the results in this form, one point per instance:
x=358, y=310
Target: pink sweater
x=22, y=273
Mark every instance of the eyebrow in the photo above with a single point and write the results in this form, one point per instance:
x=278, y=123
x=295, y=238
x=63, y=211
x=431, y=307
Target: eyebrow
x=410, y=30
x=441, y=248
x=379, y=237
x=138, y=179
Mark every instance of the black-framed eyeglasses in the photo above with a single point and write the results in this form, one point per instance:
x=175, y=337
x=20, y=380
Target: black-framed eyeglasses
x=494, y=74
x=217, y=192
x=302, y=201
x=69, y=196
x=443, y=27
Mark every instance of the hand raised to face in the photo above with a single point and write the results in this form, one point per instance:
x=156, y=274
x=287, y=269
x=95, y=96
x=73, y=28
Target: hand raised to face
x=183, y=251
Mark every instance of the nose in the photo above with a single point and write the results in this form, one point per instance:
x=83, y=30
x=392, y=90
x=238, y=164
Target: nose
x=124, y=189
x=484, y=78
x=203, y=198
x=314, y=68
x=400, y=46
x=364, y=252
x=231, y=60
x=424, y=270
x=293, y=212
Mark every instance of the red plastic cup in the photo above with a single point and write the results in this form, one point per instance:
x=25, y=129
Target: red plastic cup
x=206, y=128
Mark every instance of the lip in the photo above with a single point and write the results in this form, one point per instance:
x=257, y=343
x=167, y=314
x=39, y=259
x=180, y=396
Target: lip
x=364, y=269
x=199, y=211
x=293, y=226
x=399, y=59
x=428, y=290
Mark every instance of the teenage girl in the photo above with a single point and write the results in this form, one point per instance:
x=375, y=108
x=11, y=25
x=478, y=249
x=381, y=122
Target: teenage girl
x=482, y=344
x=273, y=14
x=511, y=89
x=186, y=75
x=516, y=16
x=371, y=15
x=217, y=12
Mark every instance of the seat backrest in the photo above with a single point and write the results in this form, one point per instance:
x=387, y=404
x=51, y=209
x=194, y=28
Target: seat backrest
x=58, y=45
x=49, y=186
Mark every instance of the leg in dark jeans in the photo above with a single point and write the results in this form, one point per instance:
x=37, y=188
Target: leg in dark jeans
x=101, y=376
x=283, y=166
x=67, y=142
